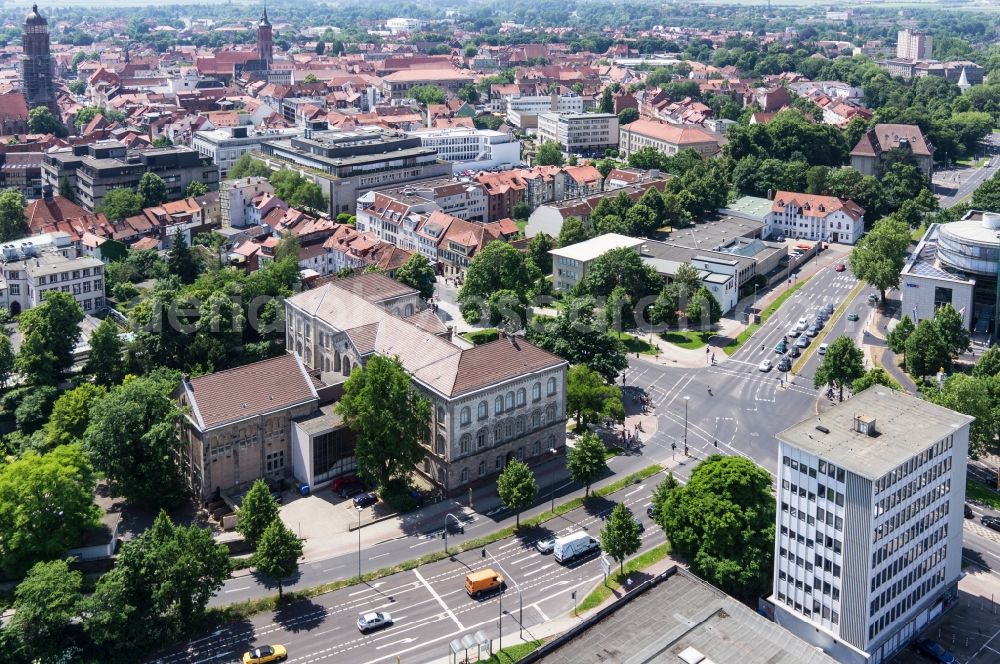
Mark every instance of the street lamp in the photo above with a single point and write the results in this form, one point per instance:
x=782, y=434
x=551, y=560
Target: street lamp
x=359, y=545
x=552, y=486
x=686, y=400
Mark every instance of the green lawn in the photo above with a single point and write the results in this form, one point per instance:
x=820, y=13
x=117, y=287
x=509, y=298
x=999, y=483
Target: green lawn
x=513, y=653
x=687, y=339
x=521, y=224
x=617, y=579
x=734, y=345
x=634, y=344
x=980, y=493
x=918, y=233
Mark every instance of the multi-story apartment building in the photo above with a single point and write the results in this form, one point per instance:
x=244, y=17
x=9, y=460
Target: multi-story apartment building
x=346, y=164
x=868, y=541
x=397, y=84
x=817, y=218
x=523, y=110
x=224, y=146
x=914, y=45
x=579, y=133
x=32, y=266
x=868, y=156
x=667, y=138
x=472, y=149
x=460, y=197
x=236, y=200
x=95, y=169
x=490, y=404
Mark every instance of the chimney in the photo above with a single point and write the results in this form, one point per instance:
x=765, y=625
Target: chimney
x=865, y=424
x=47, y=192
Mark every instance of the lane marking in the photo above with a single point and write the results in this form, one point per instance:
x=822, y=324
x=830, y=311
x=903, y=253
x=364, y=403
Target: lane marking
x=438, y=598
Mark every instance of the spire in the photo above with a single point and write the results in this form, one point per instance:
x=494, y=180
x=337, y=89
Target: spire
x=963, y=81
x=263, y=19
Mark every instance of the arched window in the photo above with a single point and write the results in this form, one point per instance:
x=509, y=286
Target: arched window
x=519, y=429
x=498, y=406
x=336, y=360
x=536, y=391
x=536, y=449
x=441, y=476
x=465, y=475
x=552, y=442
x=521, y=397
x=463, y=444
x=347, y=367
x=482, y=468
x=551, y=386
x=536, y=419
x=510, y=401
x=439, y=448
x=550, y=413
x=466, y=416
x=508, y=429
x=484, y=410
x=497, y=433
x=481, y=438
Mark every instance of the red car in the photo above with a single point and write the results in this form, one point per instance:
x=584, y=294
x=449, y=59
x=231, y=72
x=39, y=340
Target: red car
x=840, y=267
x=342, y=481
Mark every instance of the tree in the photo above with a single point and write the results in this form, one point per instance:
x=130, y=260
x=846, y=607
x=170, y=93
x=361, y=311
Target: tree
x=664, y=310
x=842, y=364
x=246, y=166
x=181, y=261
x=586, y=461
x=621, y=536
x=879, y=256
x=589, y=397
x=970, y=395
x=628, y=116
x=619, y=311
x=900, y=333
x=105, y=360
x=41, y=121
x=576, y=336
x=133, y=440
x=257, y=511
x=517, y=488
x=288, y=247
x=6, y=360
x=703, y=310
x=152, y=189
x=66, y=189
x=987, y=196
x=926, y=351
x=647, y=158
x=162, y=142
x=13, y=224
x=46, y=501
x=621, y=267
x=607, y=101
x=872, y=377
x=520, y=210
x=196, y=189
x=71, y=414
x=499, y=266
x=278, y=553
x=722, y=521
x=468, y=93
x=120, y=204
x=34, y=409
x=951, y=329
x=549, y=154
x=388, y=417
x=573, y=230
x=49, y=334
x=426, y=94
x=45, y=604
x=417, y=272
x=987, y=365
x=77, y=87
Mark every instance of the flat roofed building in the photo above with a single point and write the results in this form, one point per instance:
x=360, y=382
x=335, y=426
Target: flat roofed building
x=579, y=133
x=472, y=149
x=224, y=146
x=32, y=266
x=868, y=545
x=569, y=264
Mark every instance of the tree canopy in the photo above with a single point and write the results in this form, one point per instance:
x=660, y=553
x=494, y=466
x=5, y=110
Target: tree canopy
x=879, y=256
x=120, y=203
x=587, y=460
x=621, y=535
x=417, y=272
x=576, y=336
x=247, y=166
x=152, y=189
x=549, y=154
x=517, y=488
x=257, y=510
x=13, y=224
x=843, y=363
x=498, y=267
x=49, y=334
x=278, y=553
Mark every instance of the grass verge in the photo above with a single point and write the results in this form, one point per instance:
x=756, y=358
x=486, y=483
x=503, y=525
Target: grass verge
x=815, y=344
x=980, y=493
x=242, y=610
x=688, y=339
x=741, y=339
x=634, y=344
x=513, y=653
x=602, y=592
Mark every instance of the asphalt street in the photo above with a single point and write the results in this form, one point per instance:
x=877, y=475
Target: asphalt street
x=429, y=605
x=954, y=185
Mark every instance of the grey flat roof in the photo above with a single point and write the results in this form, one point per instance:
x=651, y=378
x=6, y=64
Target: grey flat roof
x=388, y=155
x=905, y=424
x=671, y=251
x=678, y=612
x=711, y=234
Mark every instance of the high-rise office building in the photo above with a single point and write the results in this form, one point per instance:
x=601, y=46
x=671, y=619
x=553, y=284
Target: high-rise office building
x=36, y=62
x=914, y=45
x=868, y=547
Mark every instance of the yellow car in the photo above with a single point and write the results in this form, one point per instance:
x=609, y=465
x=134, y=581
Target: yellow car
x=265, y=655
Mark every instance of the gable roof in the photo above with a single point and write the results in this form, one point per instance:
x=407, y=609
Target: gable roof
x=48, y=210
x=669, y=133
x=812, y=205
x=884, y=137
x=254, y=389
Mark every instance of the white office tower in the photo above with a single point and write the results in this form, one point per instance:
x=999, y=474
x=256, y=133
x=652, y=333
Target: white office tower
x=868, y=543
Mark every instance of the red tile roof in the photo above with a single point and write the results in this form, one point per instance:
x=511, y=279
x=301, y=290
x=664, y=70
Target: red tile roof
x=498, y=361
x=47, y=210
x=812, y=205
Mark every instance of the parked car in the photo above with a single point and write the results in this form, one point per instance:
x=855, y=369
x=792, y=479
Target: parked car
x=803, y=323
x=794, y=351
x=351, y=490
x=545, y=545
x=651, y=511
x=812, y=331
x=852, y=316
x=839, y=267
x=992, y=522
x=872, y=298
x=935, y=651
x=365, y=499
x=339, y=483
x=369, y=622
x=265, y=655
x=780, y=347
x=784, y=364
x=765, y=366
x=642, y=528
x=822, y=349
x=828, y=308
x=969, y=514
x=802, y=341
x=794, y=331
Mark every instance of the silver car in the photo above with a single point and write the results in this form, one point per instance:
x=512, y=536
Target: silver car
x=368, y=622
x=545, y=545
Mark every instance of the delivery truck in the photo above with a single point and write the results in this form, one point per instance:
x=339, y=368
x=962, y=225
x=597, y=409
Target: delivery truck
x=573, y=546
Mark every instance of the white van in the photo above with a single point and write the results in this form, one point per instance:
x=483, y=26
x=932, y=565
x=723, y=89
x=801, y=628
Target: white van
x=572, y=546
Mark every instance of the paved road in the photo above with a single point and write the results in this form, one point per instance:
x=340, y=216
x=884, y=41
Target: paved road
x=429, y=605
x=956, y=184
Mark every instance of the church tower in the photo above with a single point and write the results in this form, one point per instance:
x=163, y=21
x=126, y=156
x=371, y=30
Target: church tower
x=265, y=47
x=36, y=62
